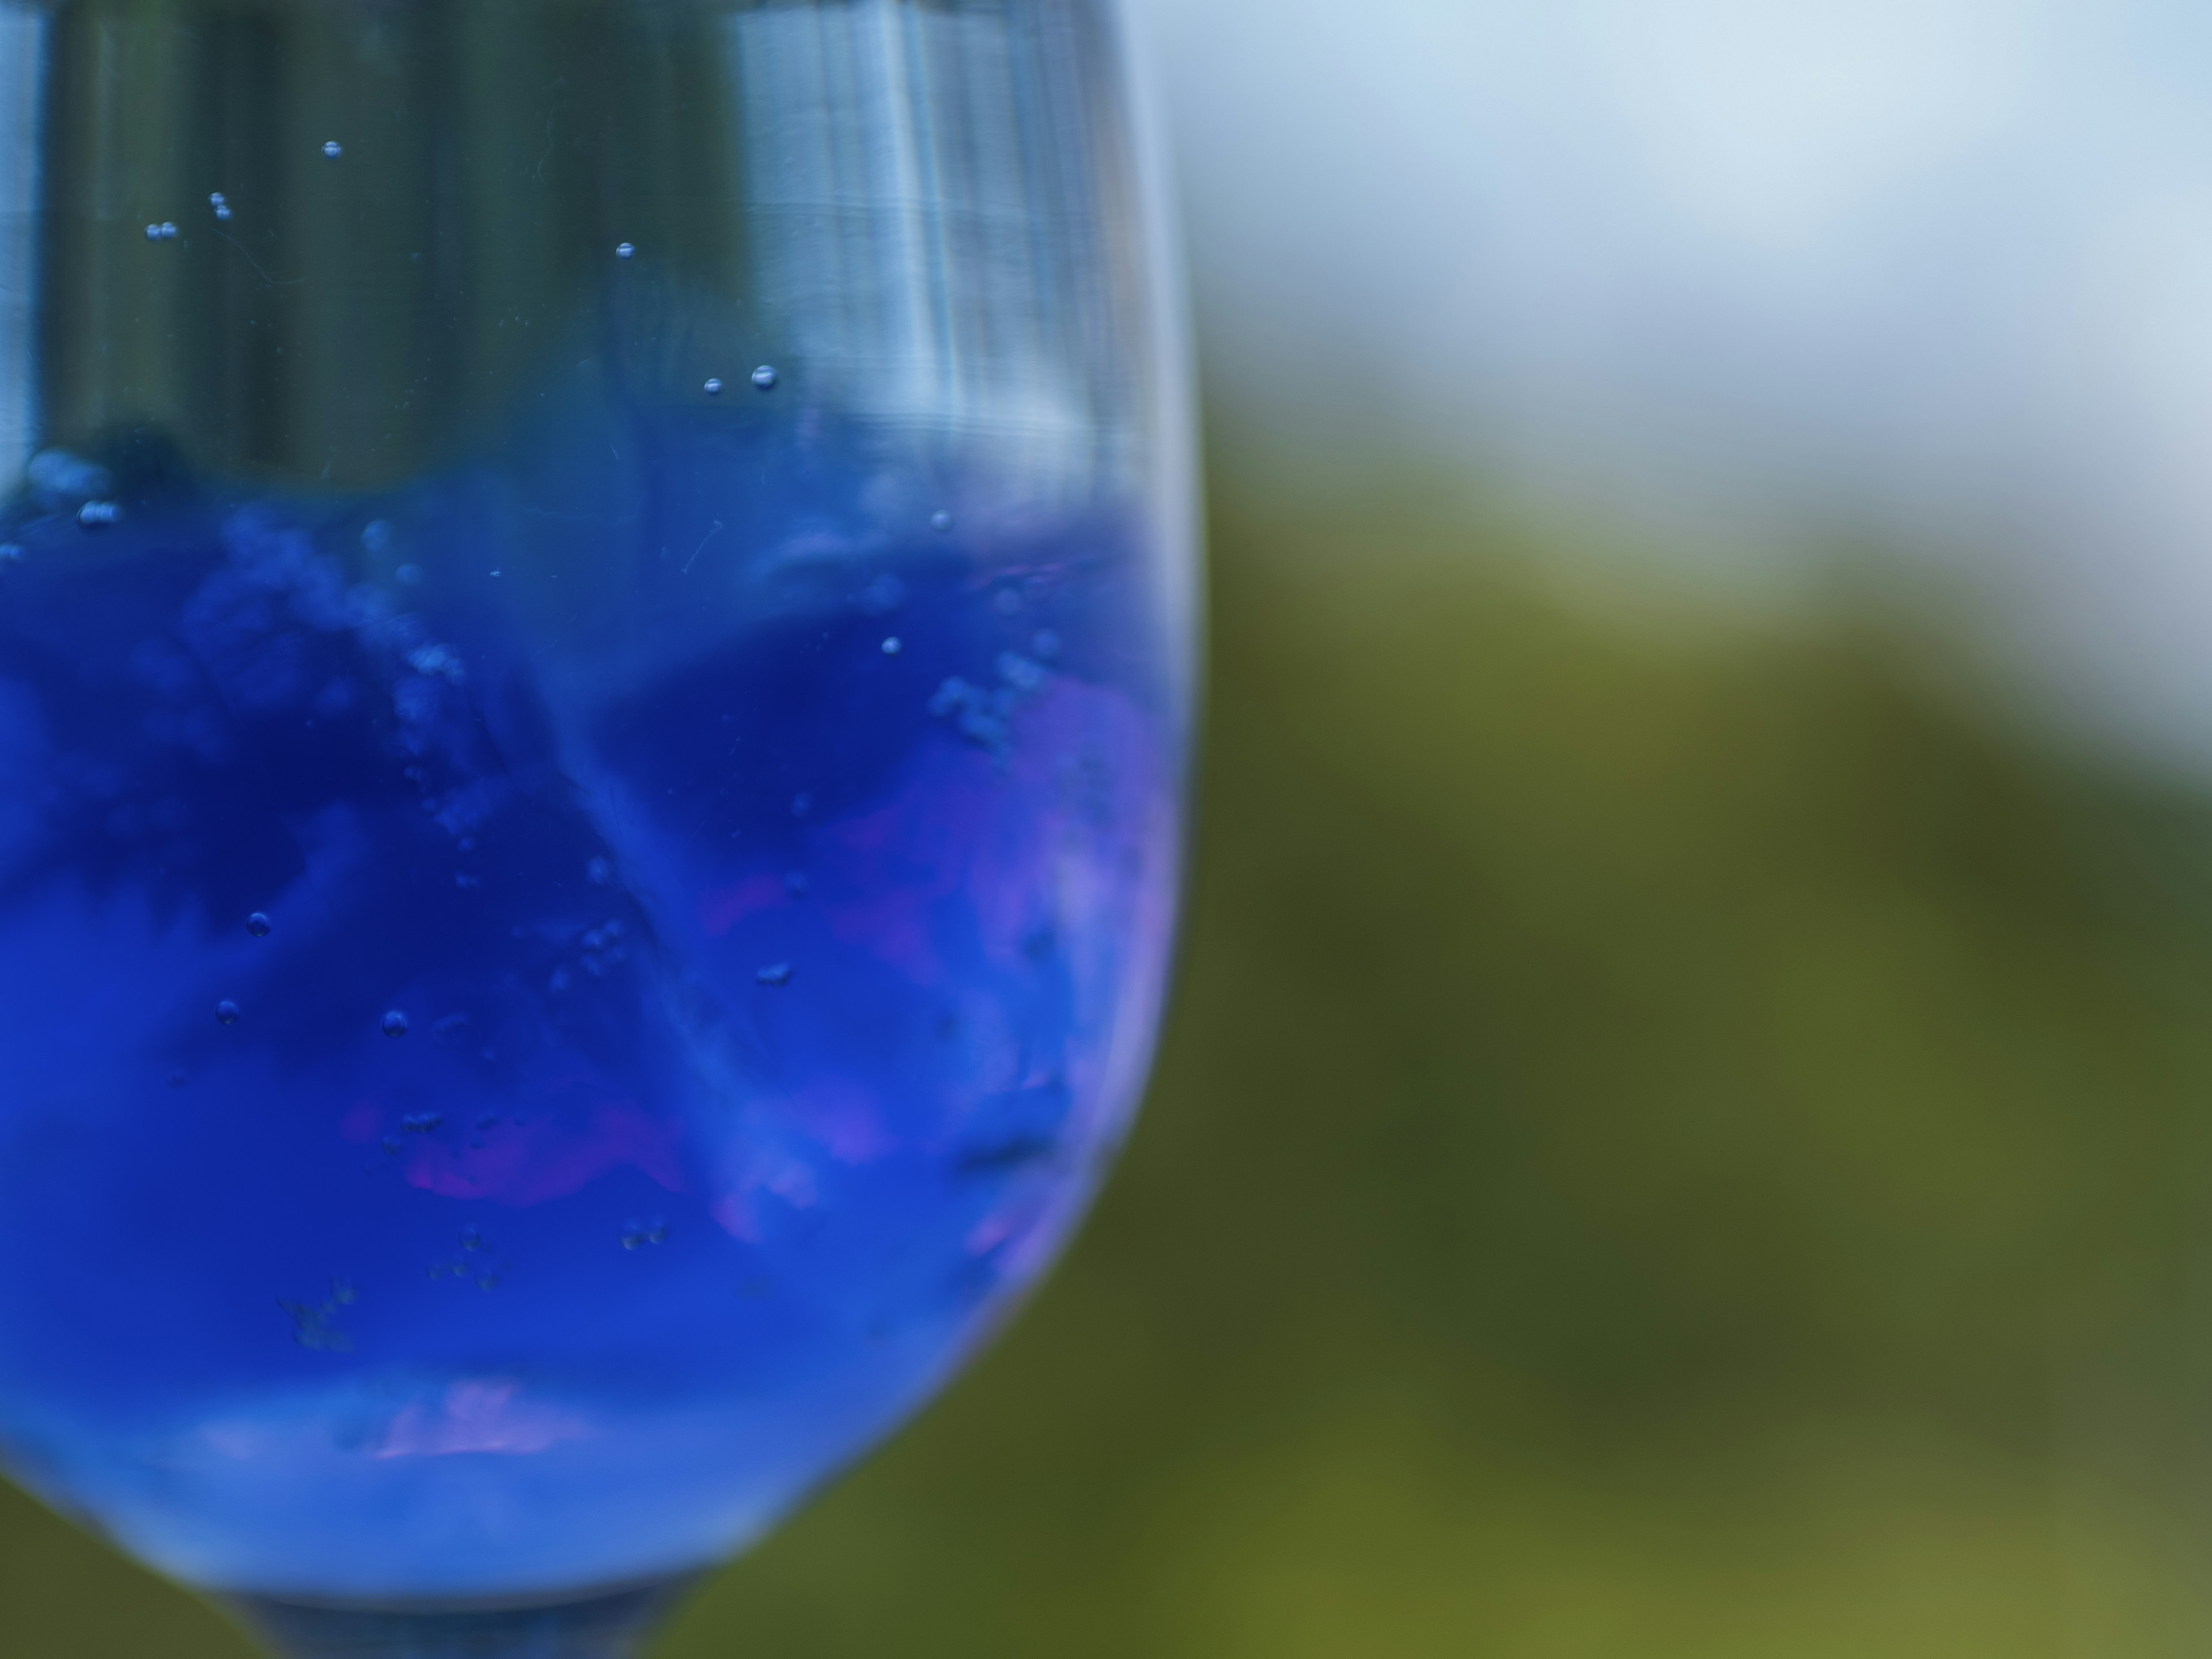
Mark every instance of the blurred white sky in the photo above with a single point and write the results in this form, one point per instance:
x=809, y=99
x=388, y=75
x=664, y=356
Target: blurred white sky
x=1755, y=272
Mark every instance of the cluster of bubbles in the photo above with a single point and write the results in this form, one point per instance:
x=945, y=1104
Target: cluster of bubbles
x=165, y=230
x=984, y=714
x=472, y=1240
x=636, y=1234
x=764, y=378
x=314, y=1323
x=394, y=1024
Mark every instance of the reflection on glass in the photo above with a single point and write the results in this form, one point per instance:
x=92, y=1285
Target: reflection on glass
x=595, y=680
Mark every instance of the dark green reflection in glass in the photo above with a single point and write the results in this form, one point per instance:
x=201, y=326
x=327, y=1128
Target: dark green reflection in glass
x=361, y=317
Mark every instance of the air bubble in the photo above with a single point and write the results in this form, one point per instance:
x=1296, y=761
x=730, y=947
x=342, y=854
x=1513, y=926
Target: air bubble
x=625, y=251
x=940, y=521
x=227, y=1012
x=11, y=552
x=795, y=883
x=153, y=232
x=764, y=378
x=883, y=596
x=258, y=925
x=376, y=535
x=98, y=515
x=801, y=805
x=472, y=1238
x=222, y=213
x=776, y=975
x=217, y=199
x=713, y=386
x=1045, y=646
x=408, y=575
x=421, y=1123
x=168, y=231
x=332, y=149
x=394, y=1024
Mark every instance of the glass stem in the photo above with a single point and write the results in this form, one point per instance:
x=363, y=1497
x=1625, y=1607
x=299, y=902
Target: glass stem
x=611, y=1626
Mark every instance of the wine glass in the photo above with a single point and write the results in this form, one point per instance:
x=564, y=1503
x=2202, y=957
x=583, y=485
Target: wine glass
x=597, y=615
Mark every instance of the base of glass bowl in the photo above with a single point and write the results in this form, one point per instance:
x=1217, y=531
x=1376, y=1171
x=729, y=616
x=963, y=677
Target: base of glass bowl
x=608, y=1624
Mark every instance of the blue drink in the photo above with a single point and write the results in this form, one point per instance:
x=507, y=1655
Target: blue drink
x=559, y=971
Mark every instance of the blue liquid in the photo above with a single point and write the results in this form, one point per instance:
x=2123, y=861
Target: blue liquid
x=681, y=1024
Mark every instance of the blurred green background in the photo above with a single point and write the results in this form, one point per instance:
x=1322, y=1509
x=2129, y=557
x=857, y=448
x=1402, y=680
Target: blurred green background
x=1684, y=1131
